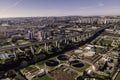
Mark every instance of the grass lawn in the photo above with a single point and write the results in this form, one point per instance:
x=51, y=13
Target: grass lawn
x=42, y=78
x=29, y=68
x=99, y=50
x=105, y=41
x=118, y=76
x=61, y=62
x=40, y=64
x=2, y=52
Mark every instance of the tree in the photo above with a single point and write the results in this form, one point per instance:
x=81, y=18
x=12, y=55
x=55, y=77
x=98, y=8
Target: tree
x=23, y=63
x=11, y=74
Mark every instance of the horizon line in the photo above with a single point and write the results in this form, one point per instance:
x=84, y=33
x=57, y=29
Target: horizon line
x=56, y=16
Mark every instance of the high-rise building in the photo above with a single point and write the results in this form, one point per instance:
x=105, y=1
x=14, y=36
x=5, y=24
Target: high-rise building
x=40, y=35
x=31, y=35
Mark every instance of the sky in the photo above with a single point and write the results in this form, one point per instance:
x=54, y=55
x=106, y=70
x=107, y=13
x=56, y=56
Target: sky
x=34, y=8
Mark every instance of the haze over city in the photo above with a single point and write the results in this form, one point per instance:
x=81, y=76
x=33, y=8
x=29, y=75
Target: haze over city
x=32, y=8
x=59, y=39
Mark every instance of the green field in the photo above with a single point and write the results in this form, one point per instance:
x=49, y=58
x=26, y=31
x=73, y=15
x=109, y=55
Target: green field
x=40, y=64
x=29, y=68
x=118, y=76
x=99, y=50
x=2, y=52
x=106, y=41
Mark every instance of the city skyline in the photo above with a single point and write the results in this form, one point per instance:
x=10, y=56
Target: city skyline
x=34, y=8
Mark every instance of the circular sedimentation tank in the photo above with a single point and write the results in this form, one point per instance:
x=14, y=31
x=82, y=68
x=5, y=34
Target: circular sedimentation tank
x=76, y=63
x=52, y=63
x=62, y=57
x=79, y=78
